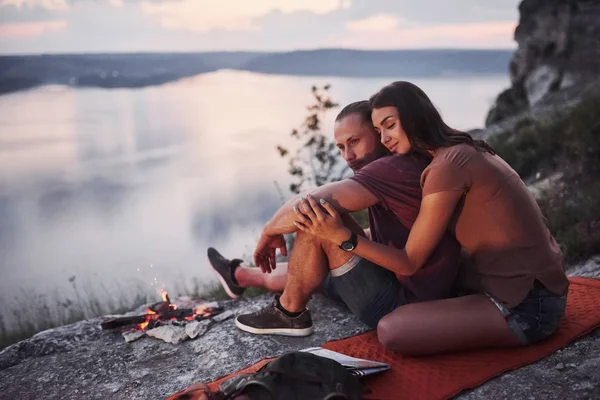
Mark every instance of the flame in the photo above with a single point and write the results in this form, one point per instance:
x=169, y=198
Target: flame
x=150, y=314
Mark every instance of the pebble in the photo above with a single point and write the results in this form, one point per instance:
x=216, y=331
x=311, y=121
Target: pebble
x=223, y=316
x=560, y=366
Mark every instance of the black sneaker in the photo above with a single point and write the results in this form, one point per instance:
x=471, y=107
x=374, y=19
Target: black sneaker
x=225, y=270
x=271, y=320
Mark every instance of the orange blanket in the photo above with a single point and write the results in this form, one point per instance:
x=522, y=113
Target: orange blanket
x=443, y=376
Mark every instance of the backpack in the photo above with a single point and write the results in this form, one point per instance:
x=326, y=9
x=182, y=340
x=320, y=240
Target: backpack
x=295, y=376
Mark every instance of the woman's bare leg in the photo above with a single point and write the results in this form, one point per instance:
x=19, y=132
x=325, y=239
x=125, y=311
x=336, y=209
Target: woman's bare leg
x=254, y=277
x=445, y=325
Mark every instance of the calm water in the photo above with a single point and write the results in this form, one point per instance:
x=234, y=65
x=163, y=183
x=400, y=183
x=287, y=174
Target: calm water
x=113, y=186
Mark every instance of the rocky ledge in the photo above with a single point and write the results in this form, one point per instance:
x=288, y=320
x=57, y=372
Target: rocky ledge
x=80, y=361
x=557, y=53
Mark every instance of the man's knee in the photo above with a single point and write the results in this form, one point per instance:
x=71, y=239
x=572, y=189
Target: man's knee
x=336, y=257
x=305, y=239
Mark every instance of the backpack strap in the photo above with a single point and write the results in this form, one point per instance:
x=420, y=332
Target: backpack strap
x=295, y=375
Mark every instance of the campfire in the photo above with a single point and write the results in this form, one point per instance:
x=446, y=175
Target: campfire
x=167, y=321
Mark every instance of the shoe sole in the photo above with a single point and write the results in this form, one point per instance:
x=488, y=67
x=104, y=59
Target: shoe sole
x=223, y=282
x=275, y=331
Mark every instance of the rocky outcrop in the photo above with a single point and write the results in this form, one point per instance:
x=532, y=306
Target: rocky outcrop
x=558, y=48
x=80, y=361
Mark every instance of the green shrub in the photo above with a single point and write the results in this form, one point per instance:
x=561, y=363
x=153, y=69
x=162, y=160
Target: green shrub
x=568, y=142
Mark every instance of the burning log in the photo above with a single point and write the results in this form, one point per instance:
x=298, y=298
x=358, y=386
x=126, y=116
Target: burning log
x=158, y=314
x=119, y=322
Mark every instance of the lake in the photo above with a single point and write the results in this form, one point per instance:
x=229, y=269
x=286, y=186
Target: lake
x=129, y=187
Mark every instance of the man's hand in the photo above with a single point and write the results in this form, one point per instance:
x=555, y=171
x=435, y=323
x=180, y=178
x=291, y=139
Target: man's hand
x=264, y=255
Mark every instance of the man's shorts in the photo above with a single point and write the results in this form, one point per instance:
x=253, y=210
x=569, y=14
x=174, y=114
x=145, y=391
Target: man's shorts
x=537, y=316
x=369, y=291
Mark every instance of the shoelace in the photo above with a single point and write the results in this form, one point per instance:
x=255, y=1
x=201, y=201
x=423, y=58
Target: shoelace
x=266, y=310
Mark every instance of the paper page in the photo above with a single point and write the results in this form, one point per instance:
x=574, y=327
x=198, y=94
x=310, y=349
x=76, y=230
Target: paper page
x=347, y=361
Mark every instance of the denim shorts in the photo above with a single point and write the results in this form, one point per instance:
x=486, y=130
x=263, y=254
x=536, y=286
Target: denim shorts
x=537, y=316
x=370, y=291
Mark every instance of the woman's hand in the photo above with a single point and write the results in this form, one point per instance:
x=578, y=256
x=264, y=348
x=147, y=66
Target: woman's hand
x=321, y=220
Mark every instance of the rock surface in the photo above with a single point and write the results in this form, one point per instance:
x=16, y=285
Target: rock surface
x=557, y=50
x=80, y=361
x=570, y=373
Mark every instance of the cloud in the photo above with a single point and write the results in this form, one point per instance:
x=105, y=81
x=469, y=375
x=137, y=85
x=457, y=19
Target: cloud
x=471, y=35
x=48, y=4
x=201, y=25
x=207, y=15
x=29, y=29
x=379, y=22
x=436, y=12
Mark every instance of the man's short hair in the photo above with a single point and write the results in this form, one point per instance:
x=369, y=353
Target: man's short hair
x=360, y=108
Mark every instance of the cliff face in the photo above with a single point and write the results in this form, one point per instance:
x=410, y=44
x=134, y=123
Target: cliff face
x=559, y=51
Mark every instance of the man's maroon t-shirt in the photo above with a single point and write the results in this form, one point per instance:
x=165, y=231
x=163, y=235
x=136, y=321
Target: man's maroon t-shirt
x=396, y=181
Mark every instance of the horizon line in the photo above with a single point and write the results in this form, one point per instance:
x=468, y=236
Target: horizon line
x=255, y=51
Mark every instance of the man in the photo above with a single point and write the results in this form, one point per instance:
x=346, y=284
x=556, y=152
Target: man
x=390, y=188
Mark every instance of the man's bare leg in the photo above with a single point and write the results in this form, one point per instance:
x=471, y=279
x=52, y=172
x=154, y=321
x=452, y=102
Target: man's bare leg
x=310, y=262
x=310, y=255
x=254, y=277
x=308, y=268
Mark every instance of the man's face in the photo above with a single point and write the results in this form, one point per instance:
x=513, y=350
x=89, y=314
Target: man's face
x=358, y=142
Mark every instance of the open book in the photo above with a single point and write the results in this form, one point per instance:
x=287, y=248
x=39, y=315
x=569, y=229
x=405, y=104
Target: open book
x=356, y=366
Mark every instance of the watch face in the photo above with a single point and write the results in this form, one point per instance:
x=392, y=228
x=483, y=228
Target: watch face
x=347, y=246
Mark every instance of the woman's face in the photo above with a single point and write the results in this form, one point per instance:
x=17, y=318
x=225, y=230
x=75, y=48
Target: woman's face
x=387, y=124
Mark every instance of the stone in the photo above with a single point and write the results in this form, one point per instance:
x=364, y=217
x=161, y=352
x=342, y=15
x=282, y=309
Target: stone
x=223, y=316
x=540, y=82
x=560, y=366
x=169, y=333
x=133, y=335
x=587, y=269
x=212, y=304
x=81, y=356
x=197, y=328
x=557, y=52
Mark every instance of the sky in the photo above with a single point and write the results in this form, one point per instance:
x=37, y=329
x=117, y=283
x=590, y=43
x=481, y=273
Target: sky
x=92, y=26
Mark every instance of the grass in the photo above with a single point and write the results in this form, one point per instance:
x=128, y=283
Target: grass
x=568, y=142
x=31, y=313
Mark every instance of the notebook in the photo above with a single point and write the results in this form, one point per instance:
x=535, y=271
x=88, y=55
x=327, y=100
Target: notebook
x=356, y=366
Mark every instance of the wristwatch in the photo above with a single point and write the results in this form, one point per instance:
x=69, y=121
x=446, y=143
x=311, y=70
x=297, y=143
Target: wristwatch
x=350, y=244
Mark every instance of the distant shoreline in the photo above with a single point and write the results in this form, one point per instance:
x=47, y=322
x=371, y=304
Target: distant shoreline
x=257, y=52
x=139, y=70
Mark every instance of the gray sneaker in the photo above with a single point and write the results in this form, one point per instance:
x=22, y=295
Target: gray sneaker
x=272, y=321
x=225, y=269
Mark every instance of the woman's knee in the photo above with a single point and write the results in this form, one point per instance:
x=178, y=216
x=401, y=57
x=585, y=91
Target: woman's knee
x=391, y=332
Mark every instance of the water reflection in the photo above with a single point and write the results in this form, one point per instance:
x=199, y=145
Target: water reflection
x=251, y=206
x=10, y=229
x=101, y=184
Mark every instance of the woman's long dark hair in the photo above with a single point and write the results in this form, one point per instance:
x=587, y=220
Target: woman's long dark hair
x=420, y=119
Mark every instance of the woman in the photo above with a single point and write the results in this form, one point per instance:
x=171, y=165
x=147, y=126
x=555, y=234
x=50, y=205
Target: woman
x=513, y=280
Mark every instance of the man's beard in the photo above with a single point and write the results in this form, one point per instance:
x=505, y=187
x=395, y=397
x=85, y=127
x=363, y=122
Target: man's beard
x=369, y=158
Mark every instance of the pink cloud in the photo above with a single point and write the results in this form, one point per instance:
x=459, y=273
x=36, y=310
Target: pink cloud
x=29, y=29
x=385, y=36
